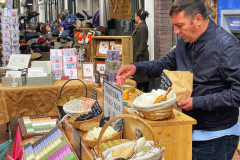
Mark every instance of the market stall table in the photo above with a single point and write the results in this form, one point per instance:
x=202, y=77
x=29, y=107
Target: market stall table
x=176, y=133
x=39, y=100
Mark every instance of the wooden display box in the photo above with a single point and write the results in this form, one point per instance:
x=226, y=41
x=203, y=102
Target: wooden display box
x=82, y=30
x=24, y=156
x=23, y=129
x=6, y=81
x=40, y=81
x=127, y=50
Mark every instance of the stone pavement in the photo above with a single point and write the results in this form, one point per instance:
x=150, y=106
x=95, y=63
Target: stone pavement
x=4, y=136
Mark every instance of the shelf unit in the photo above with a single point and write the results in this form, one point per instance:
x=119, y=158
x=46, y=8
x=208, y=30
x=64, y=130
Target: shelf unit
x=127, y=49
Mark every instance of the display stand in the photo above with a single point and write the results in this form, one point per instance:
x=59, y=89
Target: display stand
x=126, y=52
x=80, y=45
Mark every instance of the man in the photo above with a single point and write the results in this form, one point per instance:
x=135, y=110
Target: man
x=213, y=56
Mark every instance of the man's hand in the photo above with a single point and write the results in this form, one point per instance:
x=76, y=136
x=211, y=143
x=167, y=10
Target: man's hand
x=185, y=105
x=128, y=69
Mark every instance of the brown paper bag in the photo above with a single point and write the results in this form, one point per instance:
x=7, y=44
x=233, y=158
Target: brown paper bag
x=182, y=83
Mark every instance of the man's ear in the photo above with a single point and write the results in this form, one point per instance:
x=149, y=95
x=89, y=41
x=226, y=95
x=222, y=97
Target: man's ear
x=199, y=19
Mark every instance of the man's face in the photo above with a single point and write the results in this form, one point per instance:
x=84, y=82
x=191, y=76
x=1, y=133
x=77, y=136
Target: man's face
x=184, y=28
x=55, y=24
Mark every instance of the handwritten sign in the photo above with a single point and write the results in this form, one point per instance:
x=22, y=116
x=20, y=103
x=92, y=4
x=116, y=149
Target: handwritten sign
x=105, y=77
x=97, y=77
x=120, y=9
x=94, y=94
x=96, y=109
x=77, y=143
x=165, y=82
x=113, y=101
x=119, y=125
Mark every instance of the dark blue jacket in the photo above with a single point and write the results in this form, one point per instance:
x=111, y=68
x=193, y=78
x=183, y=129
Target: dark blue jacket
x=214, y=60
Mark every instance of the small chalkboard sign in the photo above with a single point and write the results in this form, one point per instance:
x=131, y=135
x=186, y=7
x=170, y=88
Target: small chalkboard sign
x=105, y=77
x=96, y=109
x=119, y=125
x=94, y=94
x=165, y=82
x=97, y=77
x=77, y=142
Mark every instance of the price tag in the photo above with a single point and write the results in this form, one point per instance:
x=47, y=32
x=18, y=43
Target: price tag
x=112, y=43
x=105, y=77
x=118, y=125
x=77, y=142
x=165, y=82
x=97, y=77
x=96, y=109
x=94, y=94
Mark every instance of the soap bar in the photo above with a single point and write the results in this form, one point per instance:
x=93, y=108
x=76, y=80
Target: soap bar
x=120, y=80
x=113, y=55
x=113, y=66
x=126, y=94
x=112, y=77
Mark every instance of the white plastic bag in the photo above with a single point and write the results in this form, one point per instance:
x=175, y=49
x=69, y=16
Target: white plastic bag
x=153, y=107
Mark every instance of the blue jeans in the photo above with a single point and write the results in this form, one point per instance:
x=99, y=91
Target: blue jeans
x=222, y=148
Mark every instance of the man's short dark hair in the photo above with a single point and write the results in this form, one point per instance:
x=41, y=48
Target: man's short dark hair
x=191, y=8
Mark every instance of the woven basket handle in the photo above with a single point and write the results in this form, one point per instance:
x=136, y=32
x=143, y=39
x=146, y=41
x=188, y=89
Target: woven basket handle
x=69, y=81
x=156, y=144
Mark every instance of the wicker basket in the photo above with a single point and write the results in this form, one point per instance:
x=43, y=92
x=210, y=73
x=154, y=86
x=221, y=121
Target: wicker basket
x=99, y=150
x=93, y=143
x=77, y=124
x=159, y=114
x=85, y=126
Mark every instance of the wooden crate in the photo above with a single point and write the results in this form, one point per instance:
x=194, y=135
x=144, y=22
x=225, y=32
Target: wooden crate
x=6, y=81
x=40, y=81
x=23, y=129
x=127, y=49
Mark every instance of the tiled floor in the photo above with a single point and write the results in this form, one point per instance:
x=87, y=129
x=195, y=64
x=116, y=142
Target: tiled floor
x=4, y=136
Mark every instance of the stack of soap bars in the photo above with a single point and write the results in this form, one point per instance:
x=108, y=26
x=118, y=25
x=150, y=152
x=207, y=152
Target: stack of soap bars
x=112, y=65
x=39, y=125
x=52, y=146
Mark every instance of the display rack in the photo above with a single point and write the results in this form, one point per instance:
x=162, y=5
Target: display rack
x=127, y=50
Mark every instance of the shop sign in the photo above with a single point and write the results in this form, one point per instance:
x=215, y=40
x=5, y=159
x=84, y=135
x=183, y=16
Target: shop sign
x=105, y=77
x=120, y=9
x=94, y=94
x=97, y=77
x=113, y=101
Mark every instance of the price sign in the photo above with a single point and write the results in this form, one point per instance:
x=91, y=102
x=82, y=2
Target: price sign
x=119, y=125
x=113, y=101
x=105, y=77
x=165, y=82
x=94, y=94
x=96, y=109
x=97, y=77
x=77, y=142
